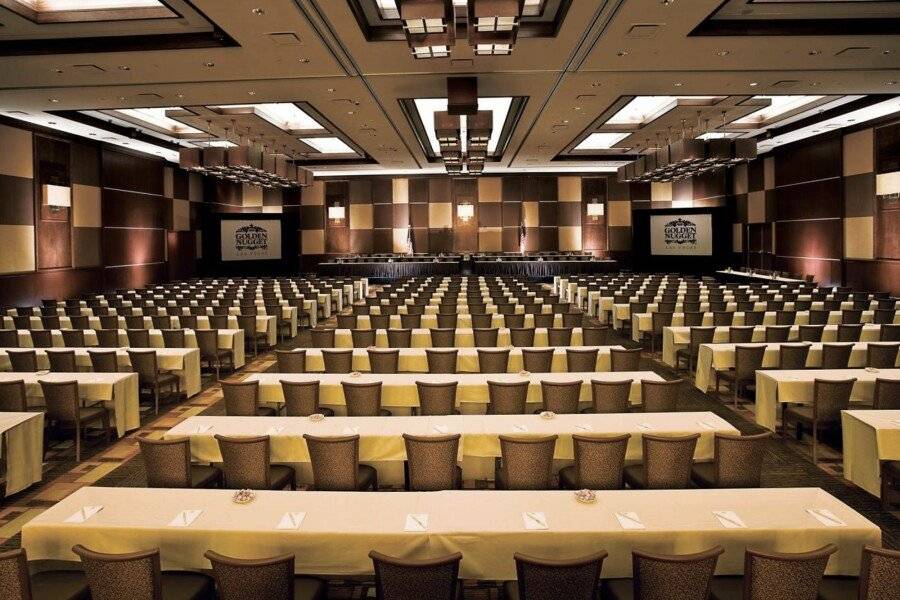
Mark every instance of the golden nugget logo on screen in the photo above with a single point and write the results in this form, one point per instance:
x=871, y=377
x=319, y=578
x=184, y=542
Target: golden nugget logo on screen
x=251, y=239
x=680, y=231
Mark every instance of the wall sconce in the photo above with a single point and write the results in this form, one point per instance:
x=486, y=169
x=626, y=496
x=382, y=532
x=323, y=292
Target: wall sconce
x=337, y=212
x=57, y=197
x=595, y=210
x=465, y=212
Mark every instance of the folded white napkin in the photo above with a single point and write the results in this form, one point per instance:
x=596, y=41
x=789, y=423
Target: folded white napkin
x=440, y=428
x=416, y=522
x=535, y=520
x=350, y=430
x=584, y=427
x=629, y=520
x=84, y=514
x=275, y=429
x=520, y=427
x=826, y=517
x=729, y=519
x=291, y=520
x=645, y=426
x=185, y=518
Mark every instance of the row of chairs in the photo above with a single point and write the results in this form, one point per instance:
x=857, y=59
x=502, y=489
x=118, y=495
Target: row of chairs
x=446, y=337
x=450, y=320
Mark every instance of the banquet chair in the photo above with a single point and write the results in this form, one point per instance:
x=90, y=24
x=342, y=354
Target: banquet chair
x=509, y=321
x=818, y=317
x=62, y=361
x=483, y=321
x=525, y=463
x=443, y=337
x=243, y=579
x=135, y=322
x=107, y=338
x=850, y=317
x=610, y=397
x=363, y=338
x=447, y=320
x=882, y=356
x=572, y=319
x=161, y=322
x=693, y=319
x=22, y=361
x=836, y=356
x=884, y=316
x=889, y=333
x=18, y=584
x=360, y=309
x=521, y=337
x=346, y=321
x=246, y=464
x=879, y=578
x=42, y=338
x=441, y=360
x=737, y=462
x=13, y=397
x=436, y=399
x=322, y=337
x=830, y=397
x=290, y=361
x=595, y=335
x=560, y=397
x=21, y=322
x=886, y=395
x=486, y=337
x=168, y=465
x=811, y=333
x=431, y=463
x=666, y=577
x=778, y=333
x=65, y=411
x=624, y=360
x=538, y=360
x=667, y=462
x=548, y=579
x=242, y=400
x=400, y=579
x=50, y=322
x=337, y=360
x=399, y=338
x=775, y=575
x=219, y=322
x=722, y=318
x=188, y=322
x=544, y=320
x=9, y=338
x=493, y=360
x=138, y=338
x=364, y=399
x=210, y=353
x=660, y=396
x=697, y=336
x=849, y=333
x=599, y=463
x=740, y=334
x=150, y=378
x=383, y=361
x=754, y=318
x=301, y=399
x=252, y=335
x=581, y=360
x=785, y=317
x=507, y=397
x=793, y=356
x=410, y=321
x=747, y=360
x=174, y=338
x=559, y=336
x=73, y=338
x=335, y=464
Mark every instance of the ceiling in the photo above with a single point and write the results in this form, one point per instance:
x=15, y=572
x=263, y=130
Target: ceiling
x=316, y=55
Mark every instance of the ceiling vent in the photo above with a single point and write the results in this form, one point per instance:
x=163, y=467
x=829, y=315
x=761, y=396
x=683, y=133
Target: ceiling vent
x=286, y=38
x=854, y=51
x=84, y=69
x=643, y=31
x=785, y=83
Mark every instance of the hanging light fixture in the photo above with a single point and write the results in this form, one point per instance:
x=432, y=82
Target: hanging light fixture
x=429, y=26
x=493, y=25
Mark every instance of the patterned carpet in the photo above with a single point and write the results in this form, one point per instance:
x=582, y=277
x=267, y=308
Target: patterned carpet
x=787, y=462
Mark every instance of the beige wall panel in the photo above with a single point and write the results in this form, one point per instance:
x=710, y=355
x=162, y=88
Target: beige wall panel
x=16, y=248
x=313, y=195
x=312, y=241
x=168, y=182
x=440, y=215
x=181, y=215
x=859, y=152
x=251, y=196
x=769, y=173
x=618, y=213
x=530, y=214
x=275, y=210
x=195, y=187
x=859, y=237
x=741, y=179
x=400, y=191
x=490, y=189
x=17, y=158
x=887, y=183
x=737, y=237
x=756, y=207
x=569, y=238
x=569, y=189
x=86, y=211
x=361, y=216
x=490, y=239
x=661, y=191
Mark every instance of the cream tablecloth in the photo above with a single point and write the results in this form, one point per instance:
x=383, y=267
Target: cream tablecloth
x=23, y=448
x=462, y=321
x=465, y=338
x=870, y=436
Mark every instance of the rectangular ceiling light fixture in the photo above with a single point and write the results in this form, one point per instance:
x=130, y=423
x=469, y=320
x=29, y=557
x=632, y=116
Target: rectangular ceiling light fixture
x=643, y=109
x=430, y=27
x=156, y=118
x=780, y=105
x=493, y=25
x=328, y=145
x=601, y=141
x=61, y=11
x=287, y=116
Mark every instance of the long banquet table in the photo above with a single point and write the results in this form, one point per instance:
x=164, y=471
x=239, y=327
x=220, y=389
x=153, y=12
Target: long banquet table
x=465, y=338
x=339, y=529
x=22, y=446
x=870, y=436
x=796, y=387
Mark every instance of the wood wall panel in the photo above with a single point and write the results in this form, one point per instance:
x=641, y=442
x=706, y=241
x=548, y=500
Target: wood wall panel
x=133, y=246
x=124, y=171
x=134, y=276
x=182, y=254
x=822, y=270
x=875, y=275
x=812, y=200
x=809, y=239
x=127, y=209
x=819, y=158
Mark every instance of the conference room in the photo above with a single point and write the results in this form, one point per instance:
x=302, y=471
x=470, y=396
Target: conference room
x=449, y=299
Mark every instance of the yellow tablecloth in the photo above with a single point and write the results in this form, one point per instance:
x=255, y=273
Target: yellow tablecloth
x=870, y=436
x=465, y=338
x=23, y=448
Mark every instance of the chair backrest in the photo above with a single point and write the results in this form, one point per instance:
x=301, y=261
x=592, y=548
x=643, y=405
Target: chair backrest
x=301, y=398
x=167, y=462
x=507, y=397
x=347, y=321
x=144, y=363
x=747, y=360
x=793, y=356
x=493, y=360
x=436, y=398
x=575, y=579
x=410, y=321
x=9, y=338
x=599, y=461
x=291, y=361
x=777, y=575
x=521, y=336
x=836, y=356
x=335, y=462
x=811, y=333
x=595, y=336
x=778, y=333
x=509, y=321
x=337, y=360
x=668, y=460
x=879, y=573
x=693, y=318
x=538, y=360
x=889, y=333
x=887, y=394
x=559, y=336
x=73, y=338
x=174, y=338
x=363, y=338
x=134, y=575
x=241, y=398
x=740, y=335
x=62, y=400
x=830, y=397
x=399, y=338
x=581, y=360
x=245, y=461
x=441, y=361
x=322, y=338
x=435, y=579
x=22, y=361
x=138, y=338
x=738, y=459
x=561, y=397
x=882, y=356
x=62, y=361
x=673, y=577
x=431, y=461
x=527, y=463
x=625, y=360
x=443, y=337
x=384, y=361
x=661, y=396
x=486, y=337
x=239, y=579
x=362, y=399
x=543, y=320
x=15, y=581
x=611, y=396
x=849, y=333
x=13, y=397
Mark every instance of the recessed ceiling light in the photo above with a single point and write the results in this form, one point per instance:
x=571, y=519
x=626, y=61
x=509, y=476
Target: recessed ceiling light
x=723, y=52
x=350, y=112
x=124, y=68
x=623, y=52
x=251, y=93
x=179, y=95
x=330, y=90
x=54, y=100
x=209, y=64
x=576, y=108
x=816, y=83
x=57, y=70
x=258, y=11
x=121, y=98
x=890, y=83
x=754, y=83
x=303, y=60
x=815, y=52
x=887, y=51
x=596, y=84
x=678, y=84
